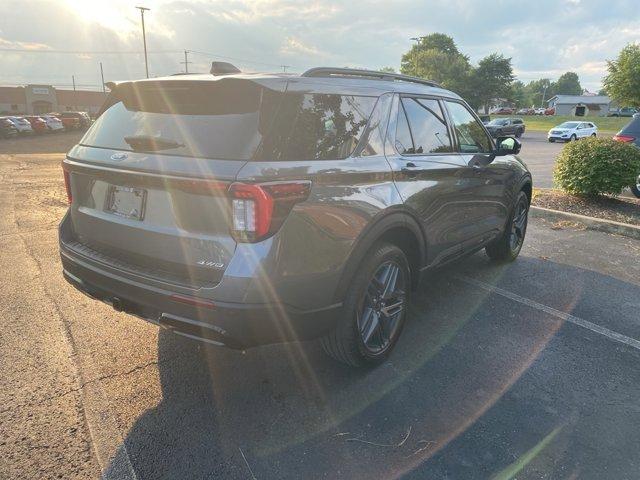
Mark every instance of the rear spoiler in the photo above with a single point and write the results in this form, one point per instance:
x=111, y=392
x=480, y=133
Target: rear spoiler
x=189, y=97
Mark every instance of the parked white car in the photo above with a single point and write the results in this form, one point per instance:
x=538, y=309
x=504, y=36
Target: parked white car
x=22, y=125
x=571, y=131
x=54, y=124
x=540, y=110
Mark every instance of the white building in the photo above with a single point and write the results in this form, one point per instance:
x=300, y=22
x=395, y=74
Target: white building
x=581, y=105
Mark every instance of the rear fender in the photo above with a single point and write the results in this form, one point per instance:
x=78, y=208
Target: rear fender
x=388, y=222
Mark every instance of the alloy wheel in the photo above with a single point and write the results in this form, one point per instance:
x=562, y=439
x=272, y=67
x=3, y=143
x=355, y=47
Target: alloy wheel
x=382, y=307
x=518, y=225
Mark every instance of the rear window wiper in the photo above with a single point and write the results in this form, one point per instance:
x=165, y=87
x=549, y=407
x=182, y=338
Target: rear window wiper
x=149, y=143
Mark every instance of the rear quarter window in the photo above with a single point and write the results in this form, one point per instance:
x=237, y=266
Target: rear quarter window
x=317, y=127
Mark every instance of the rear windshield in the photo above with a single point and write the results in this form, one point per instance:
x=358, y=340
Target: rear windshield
x=232, y=119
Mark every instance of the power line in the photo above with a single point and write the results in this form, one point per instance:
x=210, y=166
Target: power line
x=133, y=52
x=209, y=54
x=88, y=52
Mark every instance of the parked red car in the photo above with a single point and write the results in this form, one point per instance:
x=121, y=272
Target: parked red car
x=37, y=123
x=550, y=111
x=70, y=123
x=503, y=111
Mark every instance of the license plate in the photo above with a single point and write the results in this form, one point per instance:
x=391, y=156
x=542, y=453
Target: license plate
x=127, y=202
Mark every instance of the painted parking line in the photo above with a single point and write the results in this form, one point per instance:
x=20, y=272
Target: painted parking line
x=615, y=336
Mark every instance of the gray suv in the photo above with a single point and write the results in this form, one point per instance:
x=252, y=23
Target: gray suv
x=246, y=209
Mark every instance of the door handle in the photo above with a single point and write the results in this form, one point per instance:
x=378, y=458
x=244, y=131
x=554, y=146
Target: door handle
x=409, y=166
x=410, y=169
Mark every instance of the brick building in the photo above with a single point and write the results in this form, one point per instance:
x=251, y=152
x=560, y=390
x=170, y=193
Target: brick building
x=39, y=99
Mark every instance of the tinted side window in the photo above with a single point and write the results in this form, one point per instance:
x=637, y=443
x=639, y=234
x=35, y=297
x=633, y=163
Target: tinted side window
x=373, y=138
x=404, y=142
x=427, y=125
x=471, y=135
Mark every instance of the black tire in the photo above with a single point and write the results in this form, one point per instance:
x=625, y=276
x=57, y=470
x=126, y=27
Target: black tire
x=504, y=249
x=519, y=133
x=346, y=343
x=551, y=140
x=635, y=189
x=573, y=138
x=594, y=135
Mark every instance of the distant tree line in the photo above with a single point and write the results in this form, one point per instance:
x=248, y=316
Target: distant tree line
x=437, y=57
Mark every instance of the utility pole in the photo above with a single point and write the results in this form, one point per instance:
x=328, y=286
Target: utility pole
x=284, y=68
x=73, y=80
x=415, y=55
x=102, y=76
x=544, y=94
x=144, y=38
x=186, y=61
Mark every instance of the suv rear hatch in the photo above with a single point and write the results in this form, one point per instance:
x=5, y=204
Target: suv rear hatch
x=150, y=177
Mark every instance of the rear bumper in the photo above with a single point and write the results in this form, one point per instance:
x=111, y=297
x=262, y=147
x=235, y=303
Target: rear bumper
x=233, y=325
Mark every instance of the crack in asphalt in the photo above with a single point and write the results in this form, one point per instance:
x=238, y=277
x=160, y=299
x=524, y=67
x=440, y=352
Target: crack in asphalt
x=72, y=355
x=78, y=389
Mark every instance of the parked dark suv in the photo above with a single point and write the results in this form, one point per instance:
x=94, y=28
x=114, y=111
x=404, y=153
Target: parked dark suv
x=244, y=209
x=502, y=127
x=630, y=133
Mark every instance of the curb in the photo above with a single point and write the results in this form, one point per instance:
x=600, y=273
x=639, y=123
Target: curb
x=591, y=223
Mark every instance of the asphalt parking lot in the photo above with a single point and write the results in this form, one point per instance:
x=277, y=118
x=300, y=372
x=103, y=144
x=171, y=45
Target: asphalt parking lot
x=540, y=157
x=529, y=370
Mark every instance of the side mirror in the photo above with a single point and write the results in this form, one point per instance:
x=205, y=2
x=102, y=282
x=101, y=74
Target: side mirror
x=507, y=146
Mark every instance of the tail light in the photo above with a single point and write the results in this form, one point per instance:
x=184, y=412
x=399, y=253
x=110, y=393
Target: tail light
x=624, y=138
x=258, y=210
x=67, y=183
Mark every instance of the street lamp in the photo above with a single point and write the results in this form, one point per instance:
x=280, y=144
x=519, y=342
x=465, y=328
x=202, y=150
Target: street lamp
x=415, y=57
x=144, y=39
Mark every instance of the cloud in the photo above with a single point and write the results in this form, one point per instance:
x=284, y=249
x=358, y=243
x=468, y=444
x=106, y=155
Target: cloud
x=22, y=45
x=544, y=38
x=293, y=46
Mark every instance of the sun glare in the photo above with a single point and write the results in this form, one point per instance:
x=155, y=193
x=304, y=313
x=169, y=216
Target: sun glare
x=114, y=14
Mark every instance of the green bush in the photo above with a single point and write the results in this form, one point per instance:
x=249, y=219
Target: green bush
x=597, y=166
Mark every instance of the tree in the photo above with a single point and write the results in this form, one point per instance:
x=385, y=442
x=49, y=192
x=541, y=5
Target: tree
x=519, y=94
x=540, y=91
x=568, y=84
x=623, y=81
x=440, y=42
x=491, y=79
x=437, y=58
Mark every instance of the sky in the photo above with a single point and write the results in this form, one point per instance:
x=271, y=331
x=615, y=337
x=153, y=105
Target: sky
x=544, y=38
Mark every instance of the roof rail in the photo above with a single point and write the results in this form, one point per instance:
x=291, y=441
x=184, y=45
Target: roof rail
x=354, y=72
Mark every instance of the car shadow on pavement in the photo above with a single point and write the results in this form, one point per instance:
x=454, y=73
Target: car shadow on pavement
x=465, y=395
